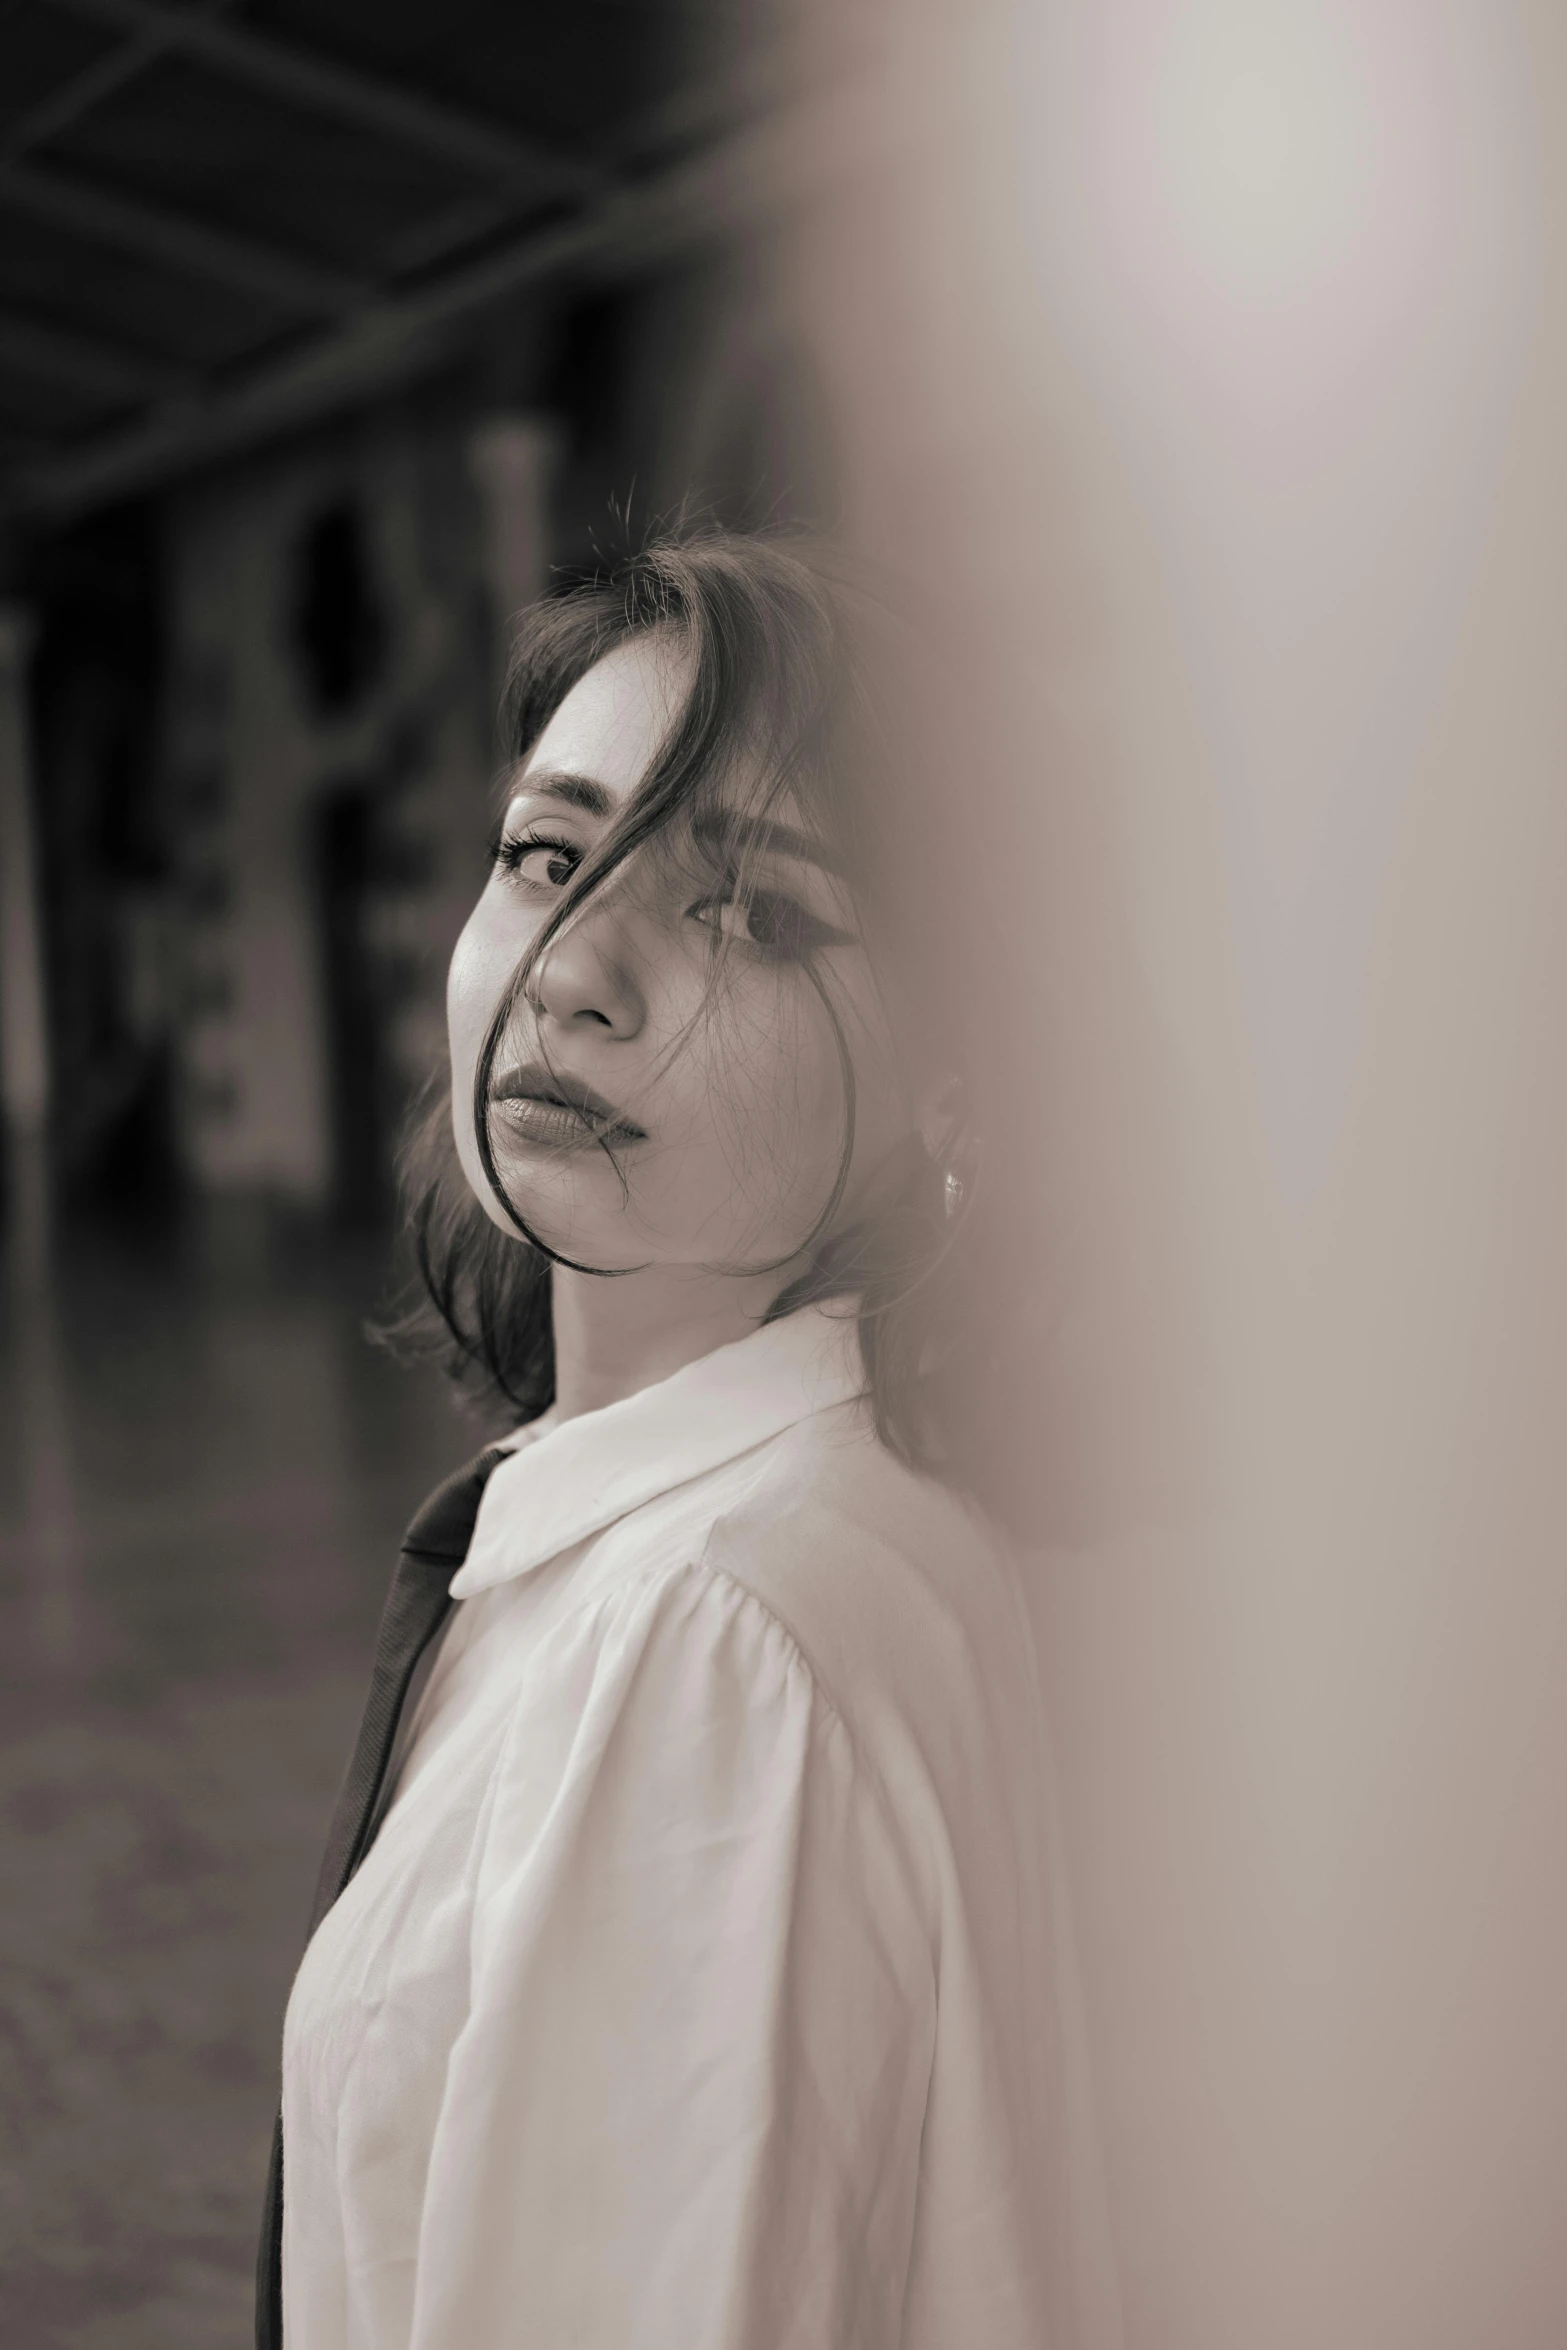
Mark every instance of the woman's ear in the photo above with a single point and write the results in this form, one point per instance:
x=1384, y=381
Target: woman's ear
x=945, y=1127
x=940, y=1113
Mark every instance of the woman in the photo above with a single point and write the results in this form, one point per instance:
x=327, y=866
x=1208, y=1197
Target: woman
x=688, y=1984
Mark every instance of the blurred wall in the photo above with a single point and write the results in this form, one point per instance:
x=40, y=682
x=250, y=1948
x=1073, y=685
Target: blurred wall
x=1209, y=363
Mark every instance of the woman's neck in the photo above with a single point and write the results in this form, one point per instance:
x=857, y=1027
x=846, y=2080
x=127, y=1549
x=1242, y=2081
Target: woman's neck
x=616, y=1336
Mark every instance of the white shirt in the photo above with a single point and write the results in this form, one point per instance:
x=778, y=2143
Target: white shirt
x=695, y=1993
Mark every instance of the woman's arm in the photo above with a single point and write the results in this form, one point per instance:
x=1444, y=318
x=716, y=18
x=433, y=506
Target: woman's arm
x=685, y=2111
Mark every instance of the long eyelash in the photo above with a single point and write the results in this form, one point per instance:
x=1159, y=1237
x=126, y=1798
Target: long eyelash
x=814, y=932
x=510, y=851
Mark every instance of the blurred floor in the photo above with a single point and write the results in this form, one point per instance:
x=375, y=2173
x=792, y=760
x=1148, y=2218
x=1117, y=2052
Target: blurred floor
x=202, y=1483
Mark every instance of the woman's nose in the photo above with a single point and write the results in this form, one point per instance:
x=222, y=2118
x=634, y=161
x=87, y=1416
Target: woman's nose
x=587, y=978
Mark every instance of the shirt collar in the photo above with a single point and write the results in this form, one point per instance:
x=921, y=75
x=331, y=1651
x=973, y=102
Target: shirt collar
x=578, y=1476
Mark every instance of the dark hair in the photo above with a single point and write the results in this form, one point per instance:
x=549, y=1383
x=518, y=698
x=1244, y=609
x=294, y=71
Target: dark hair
x=793, y=688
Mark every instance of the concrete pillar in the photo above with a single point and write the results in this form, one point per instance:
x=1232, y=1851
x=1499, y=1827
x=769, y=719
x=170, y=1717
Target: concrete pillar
x=510, y=460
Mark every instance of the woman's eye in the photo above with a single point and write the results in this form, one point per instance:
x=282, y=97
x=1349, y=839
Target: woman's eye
x=548, y=864
x=771, y=921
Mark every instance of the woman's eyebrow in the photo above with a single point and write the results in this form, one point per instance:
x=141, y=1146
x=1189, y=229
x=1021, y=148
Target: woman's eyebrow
x=578, y=791
x=737, y=832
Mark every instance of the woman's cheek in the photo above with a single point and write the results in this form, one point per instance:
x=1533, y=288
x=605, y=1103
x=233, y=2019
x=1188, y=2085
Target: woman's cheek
x=482, y=962
x=798, y=1114
x=473, y=982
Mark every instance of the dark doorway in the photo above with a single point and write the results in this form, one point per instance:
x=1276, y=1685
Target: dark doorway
x=356, y=1001
x=337, y=627
x=105, y=862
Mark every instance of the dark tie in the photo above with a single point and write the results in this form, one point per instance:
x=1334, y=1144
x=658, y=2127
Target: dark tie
x=416, y=1607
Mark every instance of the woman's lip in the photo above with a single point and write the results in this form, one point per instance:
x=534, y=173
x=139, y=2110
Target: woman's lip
x=559, y=1127
x=544, y=1105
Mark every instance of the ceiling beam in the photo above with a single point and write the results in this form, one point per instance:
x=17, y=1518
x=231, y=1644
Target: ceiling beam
x=697, y=115
x=484, y=148
x=81, y=92
x=746, y=177
x=168, y=238
x=85, y=362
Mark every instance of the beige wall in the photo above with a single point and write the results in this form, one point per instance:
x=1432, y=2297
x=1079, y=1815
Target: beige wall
x=1211, y=364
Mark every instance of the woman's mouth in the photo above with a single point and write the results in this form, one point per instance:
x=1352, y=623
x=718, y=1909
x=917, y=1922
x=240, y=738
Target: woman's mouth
x=545, y=1106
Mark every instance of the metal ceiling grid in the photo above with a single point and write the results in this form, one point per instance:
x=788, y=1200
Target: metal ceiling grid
x=216, y=219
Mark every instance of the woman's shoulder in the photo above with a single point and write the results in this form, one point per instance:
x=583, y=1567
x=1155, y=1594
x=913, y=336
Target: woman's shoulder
x=897, y=1590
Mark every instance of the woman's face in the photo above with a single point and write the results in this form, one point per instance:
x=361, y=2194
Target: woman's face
x=723, y=1109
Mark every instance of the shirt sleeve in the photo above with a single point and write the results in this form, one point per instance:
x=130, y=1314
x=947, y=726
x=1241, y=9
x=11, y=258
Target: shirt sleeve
x=685, y=2110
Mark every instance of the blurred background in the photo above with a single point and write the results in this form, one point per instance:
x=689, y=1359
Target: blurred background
x=1202, y=368
x=328, y=337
